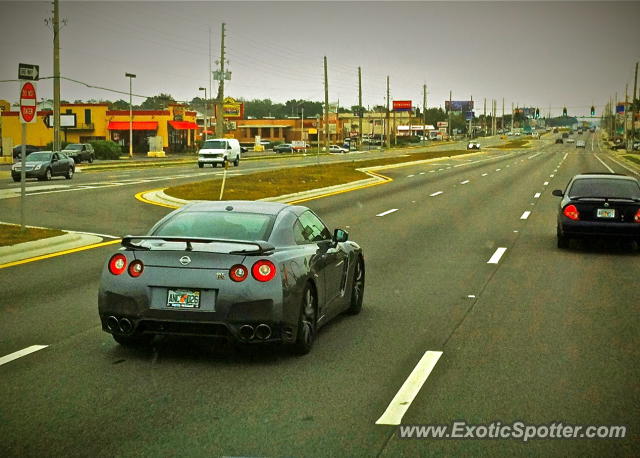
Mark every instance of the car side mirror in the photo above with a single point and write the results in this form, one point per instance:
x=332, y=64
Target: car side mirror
x=340, y=236
x=558, y=193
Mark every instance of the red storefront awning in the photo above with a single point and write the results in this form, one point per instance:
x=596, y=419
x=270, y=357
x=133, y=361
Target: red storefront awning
x=137, y=125
x=183, y=125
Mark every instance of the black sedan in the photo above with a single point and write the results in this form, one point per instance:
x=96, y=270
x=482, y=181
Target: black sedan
x=44, y=165
x=249, y=272
x=17, y=150
x=599, y=205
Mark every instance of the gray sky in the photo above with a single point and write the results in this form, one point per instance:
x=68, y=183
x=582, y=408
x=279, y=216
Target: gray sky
x=531, y=53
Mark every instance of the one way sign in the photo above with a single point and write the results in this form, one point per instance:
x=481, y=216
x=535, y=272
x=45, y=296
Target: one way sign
x=28, y=72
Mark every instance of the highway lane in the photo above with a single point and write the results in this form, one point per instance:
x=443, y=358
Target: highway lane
x=85, y=395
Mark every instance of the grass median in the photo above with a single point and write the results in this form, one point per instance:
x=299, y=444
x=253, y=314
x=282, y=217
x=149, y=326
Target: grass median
x=12, y=234
x=291, y=180
x=513, y=144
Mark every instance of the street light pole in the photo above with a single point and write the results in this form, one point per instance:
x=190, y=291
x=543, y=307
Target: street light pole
x=205, y=112
x=130, y=76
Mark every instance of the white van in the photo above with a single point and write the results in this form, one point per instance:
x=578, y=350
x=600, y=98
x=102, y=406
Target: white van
x=218, y=151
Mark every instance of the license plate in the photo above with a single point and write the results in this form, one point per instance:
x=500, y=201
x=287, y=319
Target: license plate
x=606, y=213
x=183, y=299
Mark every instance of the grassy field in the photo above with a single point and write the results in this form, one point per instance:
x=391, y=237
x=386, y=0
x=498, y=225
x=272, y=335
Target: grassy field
x=513, y=144
x=633, y=158
x=296, y=179
x=11, y=234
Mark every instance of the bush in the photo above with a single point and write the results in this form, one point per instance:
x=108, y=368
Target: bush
x=49, y=146
x=106, y=149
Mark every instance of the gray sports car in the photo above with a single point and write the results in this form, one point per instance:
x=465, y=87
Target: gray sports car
x=250, y=272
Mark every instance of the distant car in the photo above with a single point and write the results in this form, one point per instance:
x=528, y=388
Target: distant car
x=473, y=145
x=219, y=151
x=283, y=148
x=565, y=134
x=599, y=205
x=80, y=152
x=636, y=146
x=559, y=140
x=571, y=140
x=245, y=271
x=17, y=150
x=44, y=165
x=337, y=149
x=581, y=144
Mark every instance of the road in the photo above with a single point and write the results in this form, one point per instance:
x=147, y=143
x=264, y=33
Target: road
x=461, y=260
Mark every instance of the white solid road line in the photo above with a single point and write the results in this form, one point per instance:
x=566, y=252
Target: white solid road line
x=622, y=165
x=409, y=390
x=464, y=182
x=387, y=212
x=537, y=195
x=21, y=353
x=602, y=162
x=525, y=215
x=495, y=259
x=435, y=194
x=537, y=154
x=409, y=176
x=565, y=156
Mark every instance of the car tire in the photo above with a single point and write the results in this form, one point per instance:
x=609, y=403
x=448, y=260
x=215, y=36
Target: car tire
x=236, y=163
x=69, y=173
x=307, y=323
x=200, y=165
x=136, y=340
x=357, y=289
x=15, y=178
x=214, y=164
x=47, y=176
x=563, y=242
x=90, y=160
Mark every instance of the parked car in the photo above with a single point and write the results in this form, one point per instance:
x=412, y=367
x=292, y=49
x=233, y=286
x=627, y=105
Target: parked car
x=28, y=150
x=337, y=149
x=249, y=272
x=571, y=140
x=473, y=145
x=219, y=151
x=559, y=140
x=599, y=205
x=581, y=144
x=283, y=148
x=80, y=152
x=44, y=165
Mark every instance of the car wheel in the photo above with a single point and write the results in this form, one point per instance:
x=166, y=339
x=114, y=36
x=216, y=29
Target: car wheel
x=47, y=176
x=236, y=163
x=200, y=165
x=563, y=242
x=214, y=164
x=357, y=290
x=15, y=178
x=307, y=323
x=69, y=174
x=134, y=340
x=90, y=160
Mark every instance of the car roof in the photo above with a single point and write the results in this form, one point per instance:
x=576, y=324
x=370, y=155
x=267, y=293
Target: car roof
x=245, y=206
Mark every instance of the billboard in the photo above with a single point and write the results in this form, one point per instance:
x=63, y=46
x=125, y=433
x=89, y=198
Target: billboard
x=66, y=120
x=458, y=105
x=442, y=124
x=468, y=115
x=402, y=105
x=232, y=109
x=620, y=107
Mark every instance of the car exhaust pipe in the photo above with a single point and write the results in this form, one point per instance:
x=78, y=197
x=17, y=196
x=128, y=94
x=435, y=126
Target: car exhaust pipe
x=112, y=323
x=263, y=332
x=246, y=332
x=126, y=327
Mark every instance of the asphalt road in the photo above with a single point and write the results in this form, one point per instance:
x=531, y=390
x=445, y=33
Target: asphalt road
x=538, y=335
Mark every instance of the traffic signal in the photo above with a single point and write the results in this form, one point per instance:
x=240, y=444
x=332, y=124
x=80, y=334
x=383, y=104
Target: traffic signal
x=564, y=111
x=593, y=110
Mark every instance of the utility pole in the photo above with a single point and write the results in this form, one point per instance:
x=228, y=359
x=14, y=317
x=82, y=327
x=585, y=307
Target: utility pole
x=512, y=116
x=484, y=119
x=221, y=76
x=502, y=119
x=450, y=110
x=624, y=123
x=326, y=106
x=386, y=127
x=206, y=102
x=635, y=109
x=360, y=110
x=56, y=76
x=470, y=133
x=424, y=112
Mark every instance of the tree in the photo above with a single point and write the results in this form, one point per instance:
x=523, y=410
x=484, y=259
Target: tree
x=119, y=105
x=157, y=102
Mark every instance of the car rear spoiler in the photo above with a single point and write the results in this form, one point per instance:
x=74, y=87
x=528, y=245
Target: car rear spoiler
x=260, y=247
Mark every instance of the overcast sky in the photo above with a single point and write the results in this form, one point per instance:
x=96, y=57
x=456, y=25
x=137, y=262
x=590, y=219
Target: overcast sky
x=531, y=53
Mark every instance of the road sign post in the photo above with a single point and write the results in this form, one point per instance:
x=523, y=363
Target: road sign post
x=28, y=114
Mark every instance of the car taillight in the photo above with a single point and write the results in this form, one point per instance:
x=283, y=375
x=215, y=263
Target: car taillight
x=136, y=268
x=263, y=270
x=637, y=217
x=117, y=264
x=571, y=212
x=238, y=273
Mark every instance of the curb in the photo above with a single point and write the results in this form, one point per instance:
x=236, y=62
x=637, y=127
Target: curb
x=45, y=246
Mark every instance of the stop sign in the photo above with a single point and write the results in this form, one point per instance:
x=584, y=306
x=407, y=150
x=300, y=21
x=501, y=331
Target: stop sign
x=28, y=108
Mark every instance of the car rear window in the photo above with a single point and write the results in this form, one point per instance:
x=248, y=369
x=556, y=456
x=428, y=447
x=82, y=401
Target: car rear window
x=218, y=225
x=604, y=187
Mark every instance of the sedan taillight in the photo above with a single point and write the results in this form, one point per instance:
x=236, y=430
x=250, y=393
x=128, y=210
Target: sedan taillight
x=637, y=217
x=117, y=264
x=571, y=212
x=263, y=270
x=136, y=268
x=238, y=273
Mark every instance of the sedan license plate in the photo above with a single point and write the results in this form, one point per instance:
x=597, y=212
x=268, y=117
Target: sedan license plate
x=606, y=213
x=183, y=299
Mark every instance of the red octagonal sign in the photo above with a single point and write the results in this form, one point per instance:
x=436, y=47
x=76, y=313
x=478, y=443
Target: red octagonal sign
x=28, y=104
